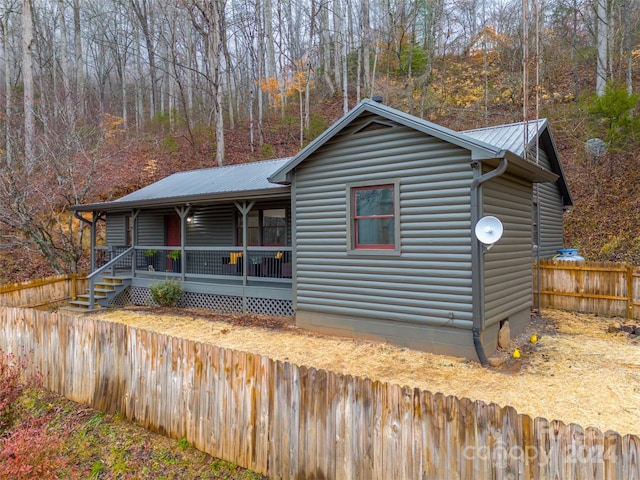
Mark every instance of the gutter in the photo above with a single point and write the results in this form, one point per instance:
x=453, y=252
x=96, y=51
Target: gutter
x=126, y=205
x=477, y=284
x=78, y=215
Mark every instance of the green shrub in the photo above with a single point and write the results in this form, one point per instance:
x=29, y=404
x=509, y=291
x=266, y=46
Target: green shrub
x=170, y=144
x=166, y=293
x=268, y=151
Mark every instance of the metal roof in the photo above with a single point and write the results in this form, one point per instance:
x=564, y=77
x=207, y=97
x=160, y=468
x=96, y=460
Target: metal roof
x=520, y=138
x=512, y=136
x=201, y=185
x=480, y=150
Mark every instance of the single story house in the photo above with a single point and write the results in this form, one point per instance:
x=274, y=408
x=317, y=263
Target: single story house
x=366, y=232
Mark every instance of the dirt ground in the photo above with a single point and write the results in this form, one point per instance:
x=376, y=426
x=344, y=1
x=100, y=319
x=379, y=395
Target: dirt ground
x=576, y=372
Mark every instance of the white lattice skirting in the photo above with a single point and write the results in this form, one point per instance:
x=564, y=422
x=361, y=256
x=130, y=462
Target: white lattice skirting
x=218, y=303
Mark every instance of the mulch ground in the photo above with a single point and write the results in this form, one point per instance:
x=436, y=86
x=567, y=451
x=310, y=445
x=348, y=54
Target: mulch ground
x=576, y=372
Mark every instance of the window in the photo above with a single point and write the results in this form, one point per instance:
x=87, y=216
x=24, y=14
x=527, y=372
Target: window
x=266, y=227
x=274, y=227
x=374, y=217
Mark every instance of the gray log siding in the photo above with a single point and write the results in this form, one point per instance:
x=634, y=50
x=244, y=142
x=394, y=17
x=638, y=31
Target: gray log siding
x=116, y=229
x=431, y=277
x=507, y=265
x=550, y=203
x=150, y=226
x=211, y=226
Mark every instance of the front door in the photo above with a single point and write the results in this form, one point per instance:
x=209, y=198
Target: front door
x=172, y=239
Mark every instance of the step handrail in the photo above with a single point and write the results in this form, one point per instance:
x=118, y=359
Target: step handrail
x=92, y=276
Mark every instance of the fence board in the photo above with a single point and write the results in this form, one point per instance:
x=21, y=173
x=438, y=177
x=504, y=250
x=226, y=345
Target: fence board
x=606, y=288
x=264, y=393
x=631, y=452
x=43, y=291
x=340, y=459
x=294, y=422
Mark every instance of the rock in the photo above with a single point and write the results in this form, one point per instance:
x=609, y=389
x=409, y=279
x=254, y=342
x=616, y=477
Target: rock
x=628, y=328
x=496, y=360
x=504, y=335
x=614, y=327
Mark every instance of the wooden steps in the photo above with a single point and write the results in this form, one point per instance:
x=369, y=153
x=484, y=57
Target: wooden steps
x=103, y=291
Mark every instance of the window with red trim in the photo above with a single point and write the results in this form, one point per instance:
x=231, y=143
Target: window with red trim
x=374, y=217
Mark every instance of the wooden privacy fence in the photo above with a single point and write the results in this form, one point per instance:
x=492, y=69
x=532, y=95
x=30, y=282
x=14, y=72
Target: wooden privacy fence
x=293, y=422
x=43, y=291
x=606, y=288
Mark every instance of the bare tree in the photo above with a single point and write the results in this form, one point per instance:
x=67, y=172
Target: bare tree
x=65, y=62
x=144, y=13
x=79, y=58
x=5, y=24
x=602, y=24
x=27, y=79
x=208, y=19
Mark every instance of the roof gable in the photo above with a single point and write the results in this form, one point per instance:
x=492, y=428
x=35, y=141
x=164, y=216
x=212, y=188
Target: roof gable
x=479, y=149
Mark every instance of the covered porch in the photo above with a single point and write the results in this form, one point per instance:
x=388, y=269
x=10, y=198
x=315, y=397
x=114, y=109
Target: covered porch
x=231, y=251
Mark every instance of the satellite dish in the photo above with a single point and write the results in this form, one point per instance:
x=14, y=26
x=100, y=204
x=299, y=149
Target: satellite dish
x=489, y=230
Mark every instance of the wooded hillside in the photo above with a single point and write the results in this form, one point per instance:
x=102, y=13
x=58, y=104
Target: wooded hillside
x=104, y=96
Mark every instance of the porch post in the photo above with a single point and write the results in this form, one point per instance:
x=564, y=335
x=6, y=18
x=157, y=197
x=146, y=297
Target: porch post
x=134, y=241
x=92, y=254
x=183, y=212
x=244, y=209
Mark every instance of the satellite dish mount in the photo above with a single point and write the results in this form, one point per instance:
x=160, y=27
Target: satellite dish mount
x=488, y=231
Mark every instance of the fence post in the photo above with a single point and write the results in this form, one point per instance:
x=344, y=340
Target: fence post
x=629, y=291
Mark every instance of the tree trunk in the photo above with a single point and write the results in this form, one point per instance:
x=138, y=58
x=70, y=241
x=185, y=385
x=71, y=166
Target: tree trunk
x=141, y=9
x=259, y=71
x=366, y=49
x=64, y=63
x=325, y=42
x=603, y=43
x=339, y=43
x=270, y=64
x=27, y=78
x=628, y=45
x=8, y=106
x=77, y=43
x=139, y=88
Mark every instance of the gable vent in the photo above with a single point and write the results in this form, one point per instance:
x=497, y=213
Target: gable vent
x=372, y=126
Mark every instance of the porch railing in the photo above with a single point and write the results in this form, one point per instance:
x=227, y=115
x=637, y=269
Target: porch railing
x=274, y=263
x=104, y=255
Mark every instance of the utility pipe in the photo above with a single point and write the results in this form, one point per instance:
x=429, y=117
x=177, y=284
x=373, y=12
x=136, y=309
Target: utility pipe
x=477, y=285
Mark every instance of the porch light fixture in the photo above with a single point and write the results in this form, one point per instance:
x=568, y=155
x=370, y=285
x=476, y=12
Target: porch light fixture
x=189, y=219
